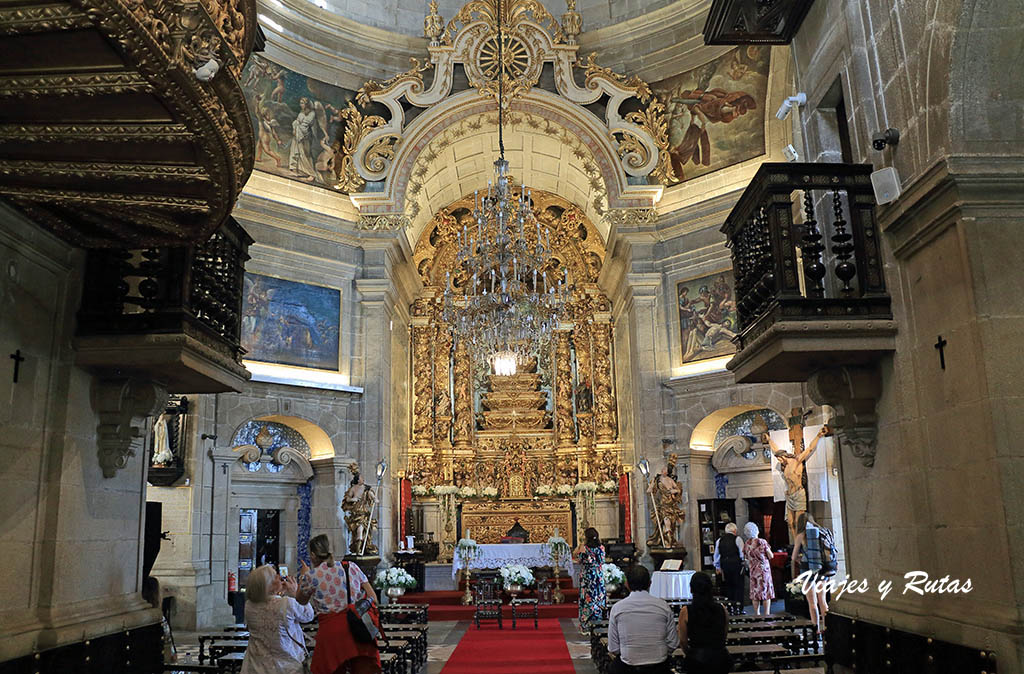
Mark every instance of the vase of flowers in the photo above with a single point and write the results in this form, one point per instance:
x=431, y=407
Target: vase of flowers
x=467, y=492
x=560, y=551
x=563, y=490
x=419, y=490
x=467, y=552
x=543, y=490
x=394, y=581
x=444, y=489
x=613, y=578
x=515, y=577
x=608, y=486
x=489, y=492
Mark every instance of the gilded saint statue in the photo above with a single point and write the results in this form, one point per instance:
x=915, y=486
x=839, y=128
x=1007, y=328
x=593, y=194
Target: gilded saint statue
x=667, y=494
x=792, y=466
x=358, y=505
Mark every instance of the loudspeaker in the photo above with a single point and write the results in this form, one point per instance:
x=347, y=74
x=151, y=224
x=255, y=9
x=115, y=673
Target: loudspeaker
x=886, y=184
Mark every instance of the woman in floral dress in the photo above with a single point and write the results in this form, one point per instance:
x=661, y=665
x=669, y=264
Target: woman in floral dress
x=592, y=591
x=758, y=555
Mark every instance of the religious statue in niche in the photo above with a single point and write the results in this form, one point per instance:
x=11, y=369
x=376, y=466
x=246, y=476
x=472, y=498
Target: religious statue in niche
x=792, y=465
x=358, y=507
x=667, y=494
x=167, y=444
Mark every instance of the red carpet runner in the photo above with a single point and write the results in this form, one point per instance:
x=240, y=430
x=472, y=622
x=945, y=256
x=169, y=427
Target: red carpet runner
x=519, y=651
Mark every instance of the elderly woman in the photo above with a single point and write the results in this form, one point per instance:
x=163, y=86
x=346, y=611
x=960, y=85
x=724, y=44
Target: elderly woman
x=758, y=554
x=333, y=588
x=276, y=644
x=728, y=561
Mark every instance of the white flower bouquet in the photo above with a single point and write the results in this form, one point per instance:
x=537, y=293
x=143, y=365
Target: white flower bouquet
x=467, y=492
x=489, y=492
x=609, y=486
x=467, y=550
x=394, y=577
x=516, y=574
x=795, y=588
x=559, y=549
x=612, y=575
x=586, y=486
x=419, y=490
x=544, y=490
x=443, y=489
x=563, y=490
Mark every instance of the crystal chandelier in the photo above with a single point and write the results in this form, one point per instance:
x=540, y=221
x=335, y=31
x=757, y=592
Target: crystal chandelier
x=507, y=294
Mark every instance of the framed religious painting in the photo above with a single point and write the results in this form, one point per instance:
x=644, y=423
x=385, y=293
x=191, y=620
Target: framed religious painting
x=291, y=323
x=707, y=316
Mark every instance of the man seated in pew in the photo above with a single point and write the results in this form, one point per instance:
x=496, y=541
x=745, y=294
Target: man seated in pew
x=276, y=644
x=703, y=628
x=641, y=629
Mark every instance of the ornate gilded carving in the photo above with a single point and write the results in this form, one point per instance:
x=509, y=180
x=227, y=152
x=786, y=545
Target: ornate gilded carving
x=572, y=22
x=631, y=217
x=513, y=13
x=422, y=418
x=593, y=73
x=357, y=125
x=490, y=521
x=563, y=390
x=414, y=75
x=433, y=24
x=41, y=19
x=464, y=420
x=584, y=395
x=605, y=421
x=442, y=388
x=384, y=222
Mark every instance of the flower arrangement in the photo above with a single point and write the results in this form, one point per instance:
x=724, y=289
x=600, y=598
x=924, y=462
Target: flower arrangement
x=559, y=549
x=467, y=492
x=516, y=574
x=444, y=489
x=795, y=588
x=612, y=575
x=544, y=490
x=586, y=486
x=563, y=490
x=489, y=492
x=394, y=577
x=419, y=490
x=609, y=486
x=467, y=550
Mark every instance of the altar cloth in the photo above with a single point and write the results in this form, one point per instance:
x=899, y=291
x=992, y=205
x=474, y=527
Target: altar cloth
x=497, y=555
x=672, y=585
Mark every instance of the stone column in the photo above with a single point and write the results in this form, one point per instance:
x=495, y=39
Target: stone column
x=331, y=479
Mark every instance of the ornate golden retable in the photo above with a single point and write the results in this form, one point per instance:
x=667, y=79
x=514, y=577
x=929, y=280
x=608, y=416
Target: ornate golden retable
x=489, y=521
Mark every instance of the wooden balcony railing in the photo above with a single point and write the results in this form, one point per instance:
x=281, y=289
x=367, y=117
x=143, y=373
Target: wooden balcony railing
x=810, y=287
x=172, y=314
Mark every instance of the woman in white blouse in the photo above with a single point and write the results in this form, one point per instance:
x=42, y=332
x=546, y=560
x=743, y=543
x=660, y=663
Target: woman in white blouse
x=276, y=644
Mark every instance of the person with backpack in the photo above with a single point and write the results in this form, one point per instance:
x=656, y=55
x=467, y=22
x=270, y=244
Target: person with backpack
x=815, y=551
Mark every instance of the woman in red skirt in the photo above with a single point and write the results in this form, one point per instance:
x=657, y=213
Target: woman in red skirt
x=333, y=587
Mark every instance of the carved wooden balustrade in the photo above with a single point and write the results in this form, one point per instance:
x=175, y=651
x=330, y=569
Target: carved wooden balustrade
x=810, y=288
x=122, y=122
x=170, y=314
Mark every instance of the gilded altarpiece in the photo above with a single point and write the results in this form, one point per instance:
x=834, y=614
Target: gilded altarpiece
x=533, y=436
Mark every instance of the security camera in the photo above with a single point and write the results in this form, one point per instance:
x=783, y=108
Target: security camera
x=787, y=105
x=790, y=153
x=888, y=137
x=207, y=71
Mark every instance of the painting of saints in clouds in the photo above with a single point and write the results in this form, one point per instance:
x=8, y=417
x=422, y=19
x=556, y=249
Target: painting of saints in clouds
x=716, y=111
x=291, y=323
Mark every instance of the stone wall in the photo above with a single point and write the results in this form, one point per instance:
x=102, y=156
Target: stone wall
x=71, y=537
x=944, y=492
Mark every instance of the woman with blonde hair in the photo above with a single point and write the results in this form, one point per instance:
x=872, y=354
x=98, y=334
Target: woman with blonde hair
x=758, y=554
x=334, y=589
x=273, y=617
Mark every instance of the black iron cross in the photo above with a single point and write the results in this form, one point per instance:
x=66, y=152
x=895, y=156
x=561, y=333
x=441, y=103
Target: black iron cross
x=941, y=345
x=18, y=360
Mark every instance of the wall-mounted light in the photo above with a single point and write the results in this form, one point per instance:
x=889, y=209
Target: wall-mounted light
x=644, y=467
x=799, y=99
x=382, y=467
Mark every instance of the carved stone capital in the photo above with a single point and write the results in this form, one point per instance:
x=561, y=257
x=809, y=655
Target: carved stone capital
x=122, y=406
x=853, y=393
